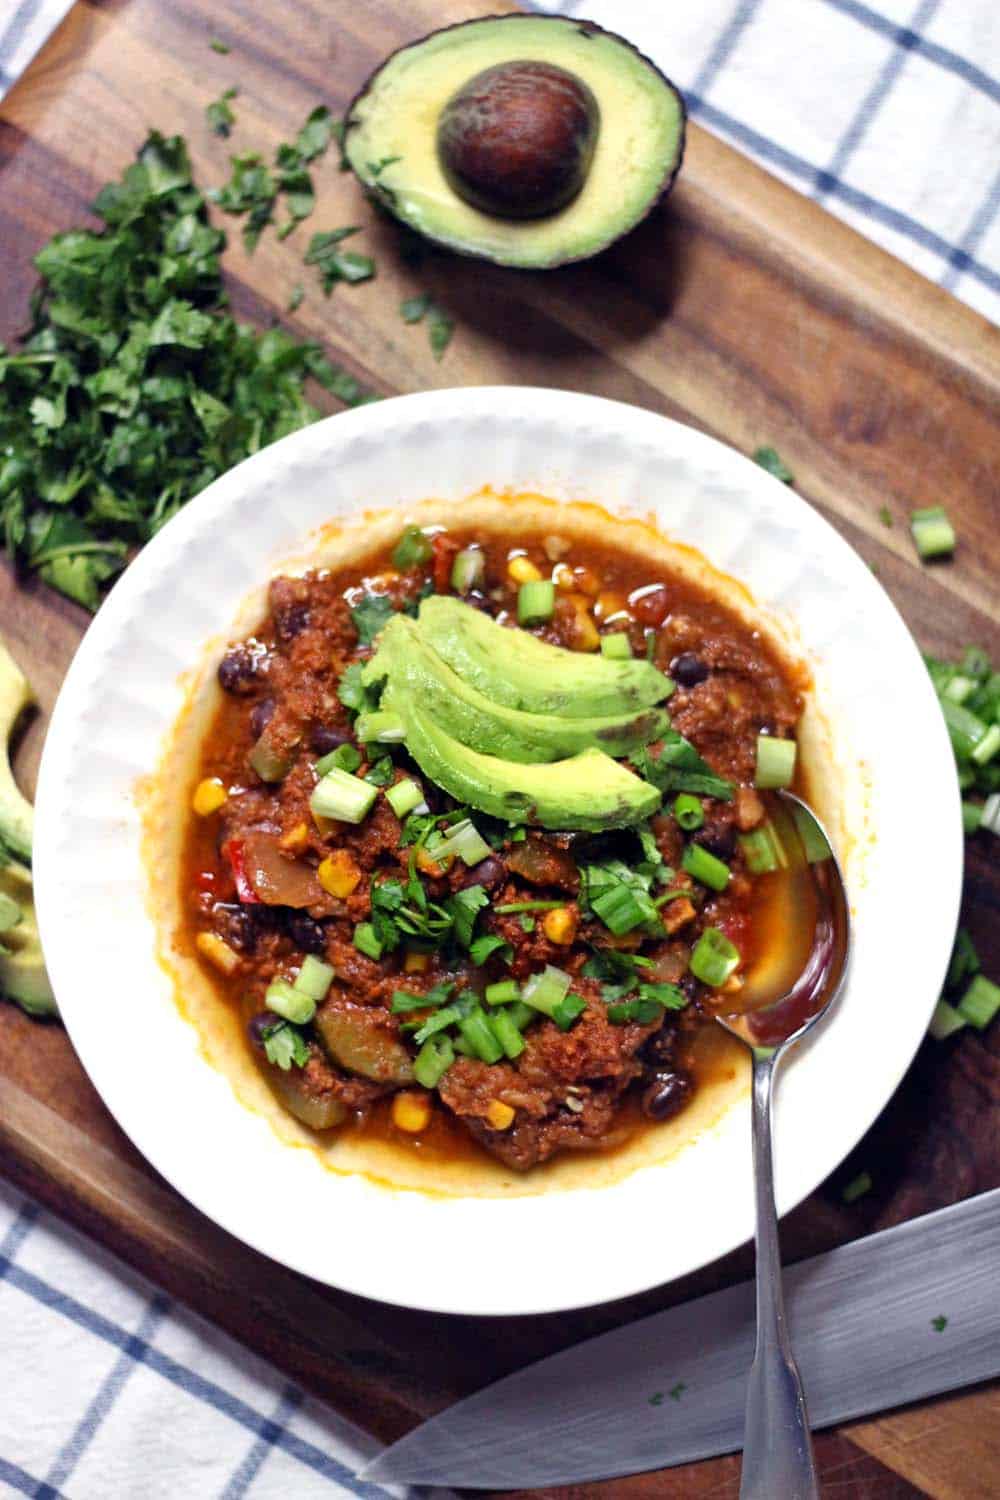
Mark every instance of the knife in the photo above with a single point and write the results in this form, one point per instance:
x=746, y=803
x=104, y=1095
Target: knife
x=909, y=1312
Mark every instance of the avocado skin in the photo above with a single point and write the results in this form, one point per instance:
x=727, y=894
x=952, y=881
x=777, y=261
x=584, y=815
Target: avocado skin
x=483, y=724
x=388, y=199
x=516, y=669
x=589, y=791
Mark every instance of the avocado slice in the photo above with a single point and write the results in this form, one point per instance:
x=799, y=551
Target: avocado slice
x=469, y=716
x=17, y=816
x=515, y=668
x=454, y=136
x=22, y=967
x=589, y=791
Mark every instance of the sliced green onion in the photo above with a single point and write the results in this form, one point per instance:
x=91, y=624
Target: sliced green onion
x=972, y=817
x=270, y=763
x=933, y=532
x=617, y=645
x=958, y=688
x=464, y=840
x=548, y=992
x=433, y=1061
x=965, y=728
x=412, y=549
x=342, y=796
x=404, y=797
x=980, y=1002
x=468, y=570
x=688, y=811
x=504, y=992
x=511, y=907
x=366, y=941
x=714, y=958
x=811, y=836
x=536, y=601
x=569, y=1009
x=622, y=907
x=289, y=1003
x=988, y=746
x=476, y=1030
x=705, y=867
x=945, y=1021
x=991, y=814
x=521, y=1014
x=314, y=978
x=344, y=758
x=763, y=851
x=382, y=727
x=857, y=1187
x=506, y=1033
x=964, y=960
x=775, y=762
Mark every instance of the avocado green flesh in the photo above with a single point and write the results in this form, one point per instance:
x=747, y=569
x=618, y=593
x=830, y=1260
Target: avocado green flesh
x=482, y=724
x=515, y=668
x=16, y=813
x=588, y=791
x=638, y=150
x=22, y=967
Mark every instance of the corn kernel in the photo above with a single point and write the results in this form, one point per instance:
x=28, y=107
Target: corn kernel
x=218, y=953
x=416, y=963
x=522, y=570
x=209, y=796
x=295, y=840
x=499, y=1116
x=338, y=873
x=412, y=1112
x=560, y=925
x=609, y=604
x=677, y=914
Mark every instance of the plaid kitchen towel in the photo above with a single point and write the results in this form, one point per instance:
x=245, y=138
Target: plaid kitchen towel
x=887, y=113
x=110, y=1391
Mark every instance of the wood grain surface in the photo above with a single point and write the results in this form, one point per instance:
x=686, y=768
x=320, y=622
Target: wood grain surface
x=739, y=307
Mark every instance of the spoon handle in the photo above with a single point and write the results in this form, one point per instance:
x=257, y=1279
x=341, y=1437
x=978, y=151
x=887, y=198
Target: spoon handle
x=777, y=1449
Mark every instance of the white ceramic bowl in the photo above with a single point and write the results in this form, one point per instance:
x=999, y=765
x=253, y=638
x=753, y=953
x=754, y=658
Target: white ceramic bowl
x=123, y=691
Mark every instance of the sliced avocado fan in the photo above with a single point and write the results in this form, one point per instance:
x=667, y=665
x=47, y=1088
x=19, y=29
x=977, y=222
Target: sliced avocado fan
x=483, y=723
x=515, y=668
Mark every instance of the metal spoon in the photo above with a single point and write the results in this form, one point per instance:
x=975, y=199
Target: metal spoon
x=777, y=1448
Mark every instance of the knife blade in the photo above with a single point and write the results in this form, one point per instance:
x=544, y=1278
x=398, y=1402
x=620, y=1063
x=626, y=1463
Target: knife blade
x=866, y=1324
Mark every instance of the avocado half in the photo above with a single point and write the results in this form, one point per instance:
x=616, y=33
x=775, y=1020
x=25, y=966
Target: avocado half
x=394, y=133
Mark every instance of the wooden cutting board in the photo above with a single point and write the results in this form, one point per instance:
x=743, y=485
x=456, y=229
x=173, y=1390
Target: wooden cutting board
x=741, y=308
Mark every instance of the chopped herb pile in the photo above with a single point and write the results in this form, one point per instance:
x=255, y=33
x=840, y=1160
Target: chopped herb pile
x=969, y=694
x=134, y=389
x=968, y=997
x=439, y=326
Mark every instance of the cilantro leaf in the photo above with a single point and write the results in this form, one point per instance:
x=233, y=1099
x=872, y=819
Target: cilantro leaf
x=219, y=115
x=488, y=943
x=352, y=692
x=439, y=331
x=771, y=460
x=284, y=1045
x=679, y=768
x=369, y=615
x=335, y=264
x=413, y=309
x=218, y=46
x=381, y=771
x=251, y=190
x=464, y=906
x=315, y=135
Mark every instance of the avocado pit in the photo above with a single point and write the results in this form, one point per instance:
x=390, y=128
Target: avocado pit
x=517, y=140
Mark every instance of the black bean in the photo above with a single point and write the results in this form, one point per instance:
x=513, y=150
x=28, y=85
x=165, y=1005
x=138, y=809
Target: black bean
x=719, y=839
x=489, y=872
x=666, y=1096
x=237, y=925
x=658, y=1049
x=306, y=933
x=323, y=740
x=259, y=1025
x=692, y=987
x=238, y=670
x=261, y=715
x=688, y=669
x=290, y=620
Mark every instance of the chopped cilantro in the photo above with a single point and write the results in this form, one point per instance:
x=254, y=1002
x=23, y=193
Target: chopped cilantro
x=885, y=515
x=412, y=309
x=528, y=924
x=315, y=135
x=439, y=331
x=677, y=1391
x=940, y=1323
x=464, y=907
x=417, y=828
x=352, y=692
x=618, y=972
x=406, y=1000
x=335, y=264
x=219, y=115
x=338, y=131
x=381, y=771
x=284, y=1045
x=297, y=186
x=656, y=1399
x=679, y=768
x=295, y=300
x=251, y=190
x=218, y=46
x=771, y=460
x=369, y=615
x=482, y=947
x=376, y=168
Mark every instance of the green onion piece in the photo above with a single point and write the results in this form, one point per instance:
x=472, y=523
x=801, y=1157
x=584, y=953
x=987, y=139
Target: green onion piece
x=688, y=811
x=544, y=991
x=342, y=796
x=506, y=1033
x=289, y=1003
x=314, y=978
x=461, y=1045
x=672, y=895
x=972, y=817
x=775, y=762
x=384, y=728
x=617, y=645
x=521, y=1014
x=964, y=960
x=965, y=728
x=714, y=958
x=463, y=840
x=811, y=836
x=933, y=532
x=706, y=867
x=988, y=746
x=945, y=1021
x=568, y=1010
x=991, y=814
x=412, y=549
x=433, y=1061
x=468, y=571
x=958, y=688
x=404, y=797
x=366, y=941
x=966, y=777
x=621, y=907
x=476, y=1030
x=439, y=1021
x=504, y=992
x=406, y=1000
x=980, y=1002
x=511, y=907
x=536, y=601
x=857, y=1187
x=763, y=851
x=975, y=662
x=344, y=758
